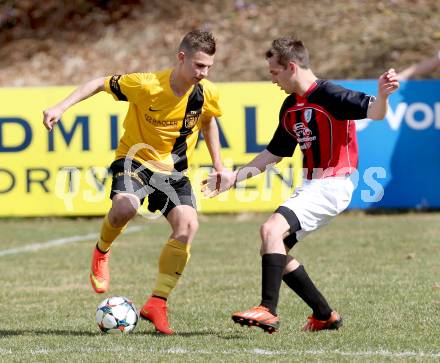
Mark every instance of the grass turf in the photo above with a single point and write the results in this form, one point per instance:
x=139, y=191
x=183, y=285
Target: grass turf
x=381, y=272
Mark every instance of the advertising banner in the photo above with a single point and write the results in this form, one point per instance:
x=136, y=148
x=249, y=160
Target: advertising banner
x=65, y=172
x=400, y=156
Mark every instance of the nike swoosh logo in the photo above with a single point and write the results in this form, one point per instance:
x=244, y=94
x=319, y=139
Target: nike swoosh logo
x=153, y=110
x=98, y=284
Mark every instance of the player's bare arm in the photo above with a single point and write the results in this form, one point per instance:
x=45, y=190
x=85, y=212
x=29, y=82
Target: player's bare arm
x=387, y=84
x=425, y=66
x=53, y=114
x=219, y=182
x=211, y=135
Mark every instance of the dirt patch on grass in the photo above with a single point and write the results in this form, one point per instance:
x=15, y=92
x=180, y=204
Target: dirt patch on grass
x=52, y=44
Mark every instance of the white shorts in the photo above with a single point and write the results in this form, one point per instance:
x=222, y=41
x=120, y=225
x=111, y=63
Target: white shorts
x=317, y=202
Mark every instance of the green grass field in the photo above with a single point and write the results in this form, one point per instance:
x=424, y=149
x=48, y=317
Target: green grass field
x=381, y=272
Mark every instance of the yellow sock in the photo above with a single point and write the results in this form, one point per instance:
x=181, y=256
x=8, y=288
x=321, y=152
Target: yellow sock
x=172, y=262
x=108, y=234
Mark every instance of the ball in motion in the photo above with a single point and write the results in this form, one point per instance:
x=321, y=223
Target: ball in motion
x=116, y=314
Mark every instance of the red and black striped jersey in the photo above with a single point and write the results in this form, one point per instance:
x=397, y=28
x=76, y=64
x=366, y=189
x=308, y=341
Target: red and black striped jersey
x=321, y=122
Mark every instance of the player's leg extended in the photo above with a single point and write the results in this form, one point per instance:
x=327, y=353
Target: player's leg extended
x=124, y=207
x=314, y=206
x=273, y=263
x=323, y=317
x=173, y=259
x=296, y=277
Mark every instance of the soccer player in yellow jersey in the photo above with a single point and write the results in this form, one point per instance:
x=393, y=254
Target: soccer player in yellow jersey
x=167, y=109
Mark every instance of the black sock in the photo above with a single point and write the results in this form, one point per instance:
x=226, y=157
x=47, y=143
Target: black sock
x=100, y=249
x=300, y=282
x=159, y=297
x=273, y=265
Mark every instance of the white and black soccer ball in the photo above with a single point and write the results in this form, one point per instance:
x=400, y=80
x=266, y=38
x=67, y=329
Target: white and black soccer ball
x=116, y=314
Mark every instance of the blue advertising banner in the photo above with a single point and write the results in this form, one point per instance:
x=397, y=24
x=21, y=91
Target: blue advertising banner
x=400, y=156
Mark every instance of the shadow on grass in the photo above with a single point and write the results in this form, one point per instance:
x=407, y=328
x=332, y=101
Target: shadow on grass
x=30, y=332
x=214, y=334
x=189, y=334
x=4, y=333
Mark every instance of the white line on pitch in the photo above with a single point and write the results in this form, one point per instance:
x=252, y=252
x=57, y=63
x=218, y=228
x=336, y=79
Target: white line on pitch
x=58, y=242
x=233, y=352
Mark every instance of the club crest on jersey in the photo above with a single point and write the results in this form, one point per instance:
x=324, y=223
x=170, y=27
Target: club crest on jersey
x=308, y=114
x=304, y=135
x=191, y=119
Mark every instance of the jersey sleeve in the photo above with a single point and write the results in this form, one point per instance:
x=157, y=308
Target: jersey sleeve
x=211, y=105
x=343, y=103
x=282, y=143
x=127, y=87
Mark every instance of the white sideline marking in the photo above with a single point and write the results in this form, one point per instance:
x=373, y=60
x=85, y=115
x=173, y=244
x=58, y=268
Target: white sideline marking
x=57, y=242
x=232, y=352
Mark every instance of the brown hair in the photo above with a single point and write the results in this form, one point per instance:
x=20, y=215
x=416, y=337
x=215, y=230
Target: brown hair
x=198, y=40
x=288, y=49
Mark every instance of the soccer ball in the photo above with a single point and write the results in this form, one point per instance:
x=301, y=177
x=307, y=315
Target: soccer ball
x=116, y=314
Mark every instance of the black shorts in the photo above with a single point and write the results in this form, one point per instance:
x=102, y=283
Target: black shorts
x=164, y=191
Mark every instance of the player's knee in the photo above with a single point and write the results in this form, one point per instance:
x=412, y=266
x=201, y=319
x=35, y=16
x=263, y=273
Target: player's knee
x=264, y=231
x=189, y=227
x=123, y=209
x=186, y=229
x=121, y=216
x=193, y=226
x=269, y=232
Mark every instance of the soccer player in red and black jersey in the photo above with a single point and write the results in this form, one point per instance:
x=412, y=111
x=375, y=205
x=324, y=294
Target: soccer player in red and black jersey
x=318, y=116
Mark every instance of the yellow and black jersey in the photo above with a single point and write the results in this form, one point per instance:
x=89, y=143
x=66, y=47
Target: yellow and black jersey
x=161, y=129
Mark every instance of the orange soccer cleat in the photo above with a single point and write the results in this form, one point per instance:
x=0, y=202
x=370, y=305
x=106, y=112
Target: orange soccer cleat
x=100, y=273
x=259, y=316
x=333, y=323
x=155, y=310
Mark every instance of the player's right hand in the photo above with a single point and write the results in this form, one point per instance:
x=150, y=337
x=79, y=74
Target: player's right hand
x=51, y=116
x=388, y=82
x=218, y=182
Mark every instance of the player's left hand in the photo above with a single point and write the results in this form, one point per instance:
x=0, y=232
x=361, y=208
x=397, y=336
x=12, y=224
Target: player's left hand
x=388, y=82
x=51, y=116
x=218, y=182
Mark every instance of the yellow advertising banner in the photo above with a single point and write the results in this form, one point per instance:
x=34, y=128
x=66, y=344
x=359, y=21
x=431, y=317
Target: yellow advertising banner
x=65, y=172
